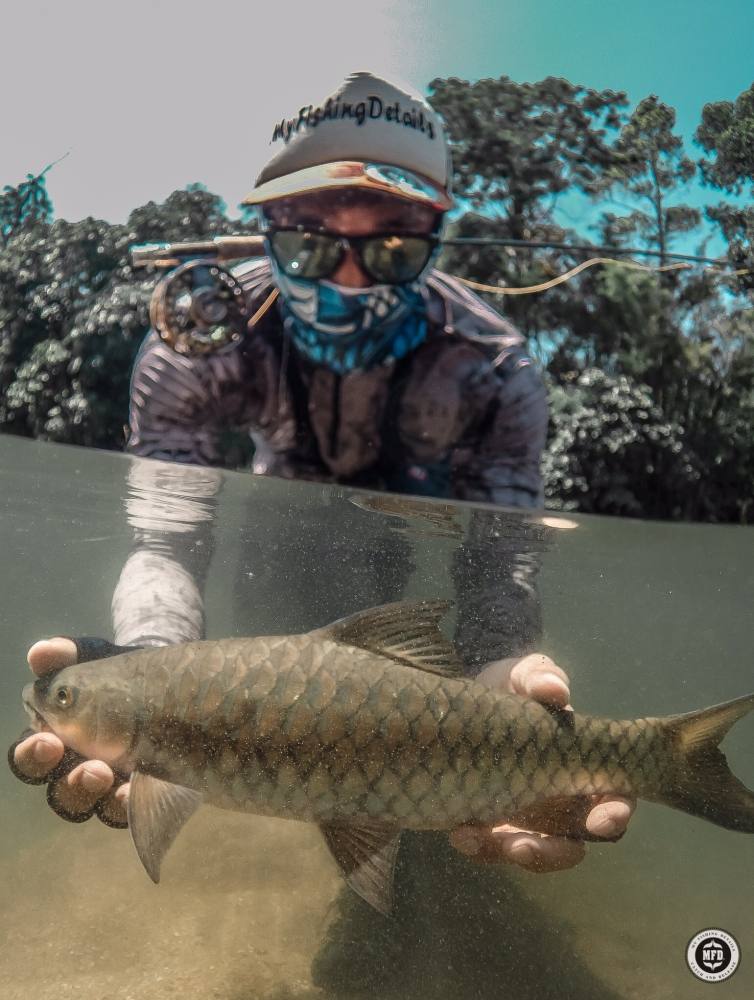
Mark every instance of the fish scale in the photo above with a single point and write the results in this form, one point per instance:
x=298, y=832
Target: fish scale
x=368, y=727
x=351, y=723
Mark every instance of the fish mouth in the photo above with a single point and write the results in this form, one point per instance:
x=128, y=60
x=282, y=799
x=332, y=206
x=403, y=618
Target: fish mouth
x=38, y=721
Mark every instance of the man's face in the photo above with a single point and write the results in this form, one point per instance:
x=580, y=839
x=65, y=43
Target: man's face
x=352, y=213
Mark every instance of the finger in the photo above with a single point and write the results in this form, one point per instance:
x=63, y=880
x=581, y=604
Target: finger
x=507, y=845
x=515, y=673
x=51, y=654
x=537, y=676
x=609, y=818
x=538, y=854
x=74, y=797
x=36, y=756
x=113, y=808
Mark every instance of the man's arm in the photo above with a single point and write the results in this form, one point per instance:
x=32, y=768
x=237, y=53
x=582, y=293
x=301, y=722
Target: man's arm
x=495, y=568
x=500, y=463
x=494, y=573
x=499, y=614
x=158, y=600
x=159, y=596
x=180, y=404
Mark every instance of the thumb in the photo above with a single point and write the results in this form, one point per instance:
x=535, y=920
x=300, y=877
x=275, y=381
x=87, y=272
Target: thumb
x=63, y=651
x=52, y=654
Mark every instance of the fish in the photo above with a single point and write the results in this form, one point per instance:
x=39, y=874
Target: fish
x=443, y=518
x=368, y=727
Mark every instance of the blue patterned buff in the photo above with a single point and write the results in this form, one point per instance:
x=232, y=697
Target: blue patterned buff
x=351, y=329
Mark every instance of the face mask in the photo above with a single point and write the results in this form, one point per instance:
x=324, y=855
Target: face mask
x=346, y=329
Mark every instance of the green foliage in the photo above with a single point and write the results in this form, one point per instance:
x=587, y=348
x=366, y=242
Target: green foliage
x=718, y=407
x=71, y=318
x=650, y=375
x=612, y=451
x=635, y=322
x=73, y=314
x=736, y=223
x=516, y=145
x=648, y=166
x=615, y=449
x=23, y=206
x=614, y=323
x=726, y=133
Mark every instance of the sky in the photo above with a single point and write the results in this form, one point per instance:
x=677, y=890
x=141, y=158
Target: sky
x=146, y=97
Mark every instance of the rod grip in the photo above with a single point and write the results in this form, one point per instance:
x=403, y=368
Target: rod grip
x=219, y=248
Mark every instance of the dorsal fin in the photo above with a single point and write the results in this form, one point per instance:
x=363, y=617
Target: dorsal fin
x=406, y=631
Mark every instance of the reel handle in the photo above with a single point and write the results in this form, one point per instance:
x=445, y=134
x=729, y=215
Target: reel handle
x=219, y=248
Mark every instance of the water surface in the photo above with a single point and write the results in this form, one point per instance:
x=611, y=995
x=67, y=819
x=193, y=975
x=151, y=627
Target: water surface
x=646, y=618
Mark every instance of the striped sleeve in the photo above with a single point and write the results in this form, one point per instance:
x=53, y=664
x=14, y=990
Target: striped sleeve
x=180, y=404
x=176, y=409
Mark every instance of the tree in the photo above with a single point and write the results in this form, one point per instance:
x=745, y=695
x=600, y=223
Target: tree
x=726, y=134
x=648, y=170
x=24, y=206
x=648, y=167
x=719, y=410
x=655, y=329
x=605, y=433
x=73, y=313
x=517, y=148
x=650, y=375
x=71, y=319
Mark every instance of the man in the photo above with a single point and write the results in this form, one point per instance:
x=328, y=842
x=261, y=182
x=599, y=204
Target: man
x=361, y=365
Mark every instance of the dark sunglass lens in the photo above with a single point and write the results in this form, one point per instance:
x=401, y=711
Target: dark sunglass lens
x=305, y=255
x=396, y=259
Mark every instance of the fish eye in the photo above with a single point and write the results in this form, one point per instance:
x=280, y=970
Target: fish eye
x=65, y=696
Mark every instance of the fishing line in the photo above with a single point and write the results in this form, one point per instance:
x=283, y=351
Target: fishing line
x=567, y=275
x=262, y=309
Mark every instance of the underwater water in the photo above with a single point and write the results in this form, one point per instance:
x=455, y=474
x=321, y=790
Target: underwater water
x=648, y=619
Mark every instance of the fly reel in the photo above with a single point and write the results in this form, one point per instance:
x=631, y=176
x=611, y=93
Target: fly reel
x=198, y=308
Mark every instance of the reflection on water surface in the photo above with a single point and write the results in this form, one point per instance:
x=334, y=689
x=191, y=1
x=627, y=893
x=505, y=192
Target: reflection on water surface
x=647, y=619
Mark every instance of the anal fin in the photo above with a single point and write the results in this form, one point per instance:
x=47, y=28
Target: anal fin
x=366, y=854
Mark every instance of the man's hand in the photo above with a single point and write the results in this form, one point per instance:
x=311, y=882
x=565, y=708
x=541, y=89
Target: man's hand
x=536, y=676
x=89, y=786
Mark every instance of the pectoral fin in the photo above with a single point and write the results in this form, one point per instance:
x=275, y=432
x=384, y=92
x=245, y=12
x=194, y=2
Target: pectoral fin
x=366, y=855
x=157, y=810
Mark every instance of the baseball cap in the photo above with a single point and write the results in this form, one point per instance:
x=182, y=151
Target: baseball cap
x=368, y=133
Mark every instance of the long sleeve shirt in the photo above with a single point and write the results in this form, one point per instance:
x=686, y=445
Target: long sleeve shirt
x=464, y=417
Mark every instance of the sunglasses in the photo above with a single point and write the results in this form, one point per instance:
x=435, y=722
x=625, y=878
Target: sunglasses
x=388, y=258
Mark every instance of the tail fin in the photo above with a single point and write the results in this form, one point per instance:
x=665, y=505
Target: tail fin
x=699, y=781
